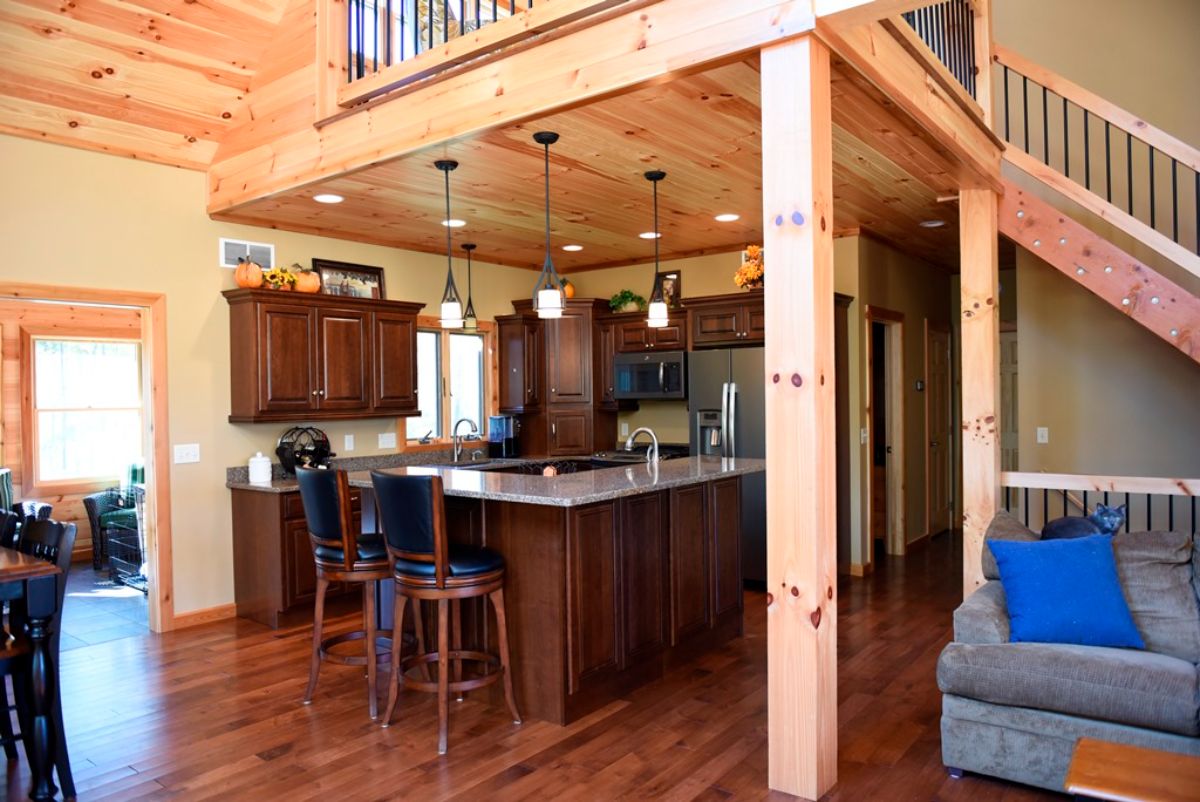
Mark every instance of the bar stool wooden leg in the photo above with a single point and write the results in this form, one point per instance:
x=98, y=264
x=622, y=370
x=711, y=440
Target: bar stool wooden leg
x=497, y=597
x=318, y=623
x=443, y=694
x=456, y=641
x=369, y=627
x=419, y=628
x=397, y=678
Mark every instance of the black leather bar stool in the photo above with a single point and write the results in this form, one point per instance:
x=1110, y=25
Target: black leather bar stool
x=342, y=554
x=426, y=566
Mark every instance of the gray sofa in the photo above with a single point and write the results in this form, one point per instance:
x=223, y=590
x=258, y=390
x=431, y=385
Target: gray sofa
x=1016, y=710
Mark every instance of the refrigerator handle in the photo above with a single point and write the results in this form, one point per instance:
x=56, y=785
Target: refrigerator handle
x=733, y=419
x=725, y=419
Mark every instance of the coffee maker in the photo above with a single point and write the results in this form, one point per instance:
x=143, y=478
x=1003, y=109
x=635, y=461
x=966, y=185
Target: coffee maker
x=503, y=436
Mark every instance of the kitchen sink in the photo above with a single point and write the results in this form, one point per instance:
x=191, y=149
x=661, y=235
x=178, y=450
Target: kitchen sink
x=560, y=466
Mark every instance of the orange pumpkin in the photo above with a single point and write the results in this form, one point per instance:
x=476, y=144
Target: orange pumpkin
x=248, y=274
x=568, y=289
x=308, y=281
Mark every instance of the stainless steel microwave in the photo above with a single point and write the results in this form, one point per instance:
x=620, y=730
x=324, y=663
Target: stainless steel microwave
x=661, y=374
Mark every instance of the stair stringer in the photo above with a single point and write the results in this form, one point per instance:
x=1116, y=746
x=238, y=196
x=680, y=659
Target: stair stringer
x=1128, y=285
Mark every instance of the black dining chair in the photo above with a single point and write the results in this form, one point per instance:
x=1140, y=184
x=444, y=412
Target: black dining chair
x=10, y=522
x=342, y=554
x=425, y=566
x=51, y=541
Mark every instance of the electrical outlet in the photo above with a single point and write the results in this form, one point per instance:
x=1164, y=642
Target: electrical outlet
x=187, y=452
x=348, y=443
x=387, y=440
x=1043, y=434
x=624, y=429
x=863, y=435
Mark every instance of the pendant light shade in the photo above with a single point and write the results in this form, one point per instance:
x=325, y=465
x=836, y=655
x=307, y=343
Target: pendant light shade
x=452, y=311
x=470, y=321
x=657, y=315
x=547, y=292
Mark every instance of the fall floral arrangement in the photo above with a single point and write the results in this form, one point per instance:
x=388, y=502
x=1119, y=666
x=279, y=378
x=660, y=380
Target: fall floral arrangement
x=750, y=274
x=279, y=278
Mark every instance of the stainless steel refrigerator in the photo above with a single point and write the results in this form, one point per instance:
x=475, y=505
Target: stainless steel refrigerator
x=727, y=407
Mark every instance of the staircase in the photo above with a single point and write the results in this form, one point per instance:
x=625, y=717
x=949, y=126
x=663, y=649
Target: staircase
x=1066, y=143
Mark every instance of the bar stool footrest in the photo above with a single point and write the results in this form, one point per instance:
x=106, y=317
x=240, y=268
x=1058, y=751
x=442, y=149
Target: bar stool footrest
x=383, y=649
x=453, y=686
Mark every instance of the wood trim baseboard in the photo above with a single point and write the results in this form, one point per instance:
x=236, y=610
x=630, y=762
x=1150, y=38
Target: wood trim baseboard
x=206, y=615
x=862, y=569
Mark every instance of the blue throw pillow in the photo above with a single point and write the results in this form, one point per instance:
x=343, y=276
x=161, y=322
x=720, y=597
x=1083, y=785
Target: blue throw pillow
x=1065, y=591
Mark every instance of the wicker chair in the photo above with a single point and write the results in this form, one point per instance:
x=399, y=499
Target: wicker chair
x=107, y=510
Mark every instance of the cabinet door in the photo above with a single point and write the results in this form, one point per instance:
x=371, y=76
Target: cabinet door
x=632, y=336
x=519, y=364
x=288, y=353
x=345, y=352
x=569, y=359
x=299, y=570
x=671, y=337
x=394, y=380
x=570, y=431
x=643, y=576
x=691, y=548
x=605, y=350
x=725, y=520
x=593, y=613
x=534, y=371
x=715, y=325
x=756, y=325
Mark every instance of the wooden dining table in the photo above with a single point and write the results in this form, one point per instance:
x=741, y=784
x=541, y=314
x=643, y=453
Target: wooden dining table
x=33, y=583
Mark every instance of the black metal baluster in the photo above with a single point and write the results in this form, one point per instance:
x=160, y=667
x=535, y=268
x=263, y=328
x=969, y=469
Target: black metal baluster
x=375, y=40
x=1066, y=142
x=1128, y=511
x=1087, y=152
x=1197, y=179
x=1085, y=505
x=1007, y=501
x=1045, y=506
x=1045, y=129
x=1066, y=495
x=1129, y=169
x=1174, y=202
x=362, y=31
x=445, y=21
x=350, y=44
x=391, y=23
x=1025, y=506
x=1171, y=513
x=1008, y=137
x=1150, y=150
x=1025, y=108
x=1149, y=524
x=1107, y=162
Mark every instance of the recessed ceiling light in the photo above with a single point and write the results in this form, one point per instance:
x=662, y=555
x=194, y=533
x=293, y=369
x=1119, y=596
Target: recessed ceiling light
x=932, y=223
x=572, y=248
x=727, y=218
x=328, y=197
x=650, y=235
x=454, y=222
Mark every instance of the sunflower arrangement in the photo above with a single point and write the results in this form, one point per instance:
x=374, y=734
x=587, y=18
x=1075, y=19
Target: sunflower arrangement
x=750, y=274
x=279, y=278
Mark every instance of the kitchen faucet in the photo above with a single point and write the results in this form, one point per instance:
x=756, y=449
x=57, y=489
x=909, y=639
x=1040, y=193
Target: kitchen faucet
x=652, y=451
x=457, y=438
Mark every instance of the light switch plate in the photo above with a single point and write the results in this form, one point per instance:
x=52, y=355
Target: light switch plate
x=187, y=452
x=1043, y=434
x=863, y=435
x=624, y=429
x=387, y=440
x=348, y=443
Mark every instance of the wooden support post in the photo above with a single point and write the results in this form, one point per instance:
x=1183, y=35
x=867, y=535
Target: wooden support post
x=980, y=307
x=797, y=142
x=981, y=11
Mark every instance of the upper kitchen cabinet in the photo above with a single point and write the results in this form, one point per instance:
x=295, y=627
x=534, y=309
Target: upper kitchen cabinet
x=305, y=357
x=631, y=333
x=521, y=371
x=722, y=320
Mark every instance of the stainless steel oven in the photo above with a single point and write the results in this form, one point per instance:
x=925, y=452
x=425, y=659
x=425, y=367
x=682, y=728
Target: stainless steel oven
x=661, y=374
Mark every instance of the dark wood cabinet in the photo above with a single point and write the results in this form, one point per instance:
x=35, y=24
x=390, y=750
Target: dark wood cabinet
x=721, y=320
x=691, y=560
x=568, y=359
x=520, y=342
x=570, y=431
x=632, y=334
x=593, y=612
x=644, y=576
x=725, y=522
x=605, y=349
x=306, y=357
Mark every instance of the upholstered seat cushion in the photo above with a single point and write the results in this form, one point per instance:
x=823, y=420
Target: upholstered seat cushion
x=119, y=519
x=465, y=561
x=1141, y=689
x=370, y=549
x=1004, y=526
x=1157, y=574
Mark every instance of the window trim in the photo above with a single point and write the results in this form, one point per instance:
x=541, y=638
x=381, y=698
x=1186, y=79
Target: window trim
x=31, y=485
x=491, y=381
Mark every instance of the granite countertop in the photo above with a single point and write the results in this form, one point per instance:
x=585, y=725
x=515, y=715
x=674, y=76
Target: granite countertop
x=567, y=490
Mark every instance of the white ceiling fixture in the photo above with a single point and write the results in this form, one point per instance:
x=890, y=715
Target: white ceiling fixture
x=328, y=197
x=650, y=235
x=727, y=217
x=932, y=223
x=454, y=222
x=573, y=248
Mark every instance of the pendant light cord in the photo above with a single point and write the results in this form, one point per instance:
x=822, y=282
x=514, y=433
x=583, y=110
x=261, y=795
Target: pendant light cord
x=449, y=230
x=657, y=237
x=547, y=176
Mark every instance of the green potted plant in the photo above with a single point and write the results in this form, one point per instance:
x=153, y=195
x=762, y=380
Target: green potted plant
x=626, y=301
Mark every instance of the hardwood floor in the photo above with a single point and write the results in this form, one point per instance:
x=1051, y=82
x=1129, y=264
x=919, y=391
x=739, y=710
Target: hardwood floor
x=214, y=712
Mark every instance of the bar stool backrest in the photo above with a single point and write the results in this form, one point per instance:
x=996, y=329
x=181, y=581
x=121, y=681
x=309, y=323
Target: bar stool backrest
x=412, y=511
x=326, y=498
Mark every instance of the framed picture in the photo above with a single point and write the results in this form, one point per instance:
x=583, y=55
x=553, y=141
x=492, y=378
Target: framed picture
x=671, y=282
x=349, y=280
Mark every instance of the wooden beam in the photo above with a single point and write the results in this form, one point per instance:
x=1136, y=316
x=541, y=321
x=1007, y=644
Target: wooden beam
x=331, y=67
x=618, y=55
x=916, y=47
x=1107, y=212
x=863, y=12
x=980, y=309
x=797, y=137
x=1128, y=285
x=981, y=11
x=1159, y=486
x=875, y=53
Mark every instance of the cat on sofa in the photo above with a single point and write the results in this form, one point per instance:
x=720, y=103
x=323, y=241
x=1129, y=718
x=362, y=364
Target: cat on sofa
x=1104, y=521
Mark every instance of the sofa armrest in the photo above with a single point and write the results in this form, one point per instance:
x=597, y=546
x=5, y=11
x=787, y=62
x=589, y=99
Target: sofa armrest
x=983, y=616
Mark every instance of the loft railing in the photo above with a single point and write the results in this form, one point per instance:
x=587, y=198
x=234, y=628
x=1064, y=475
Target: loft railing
x=1106, y=152
x=948, y=28
x=1150, y=503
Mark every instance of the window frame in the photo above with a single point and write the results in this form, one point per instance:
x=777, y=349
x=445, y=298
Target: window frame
x=32, y=485
x=491, y=387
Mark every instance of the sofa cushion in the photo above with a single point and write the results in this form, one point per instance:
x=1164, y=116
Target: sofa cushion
x=1004, y=526
x=1065, y=591
x=983, y=616
x=1141, y=689
x=1156, y=574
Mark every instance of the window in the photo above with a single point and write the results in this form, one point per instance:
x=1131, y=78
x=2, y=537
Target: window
x=85, y=415
x=452, y=380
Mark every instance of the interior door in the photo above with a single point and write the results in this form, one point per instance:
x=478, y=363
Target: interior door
x=1009, y=455
x=938, y=415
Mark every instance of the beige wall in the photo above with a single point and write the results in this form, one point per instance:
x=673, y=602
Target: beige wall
x=76, y=218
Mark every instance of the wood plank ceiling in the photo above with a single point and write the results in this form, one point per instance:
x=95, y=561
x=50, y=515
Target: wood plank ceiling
x=703, y=130
x=160, y=80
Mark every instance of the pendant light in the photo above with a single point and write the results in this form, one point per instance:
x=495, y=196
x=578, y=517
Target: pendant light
x=547, y=292
x=470, y=321
x=657, y=315
x=452, y=311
